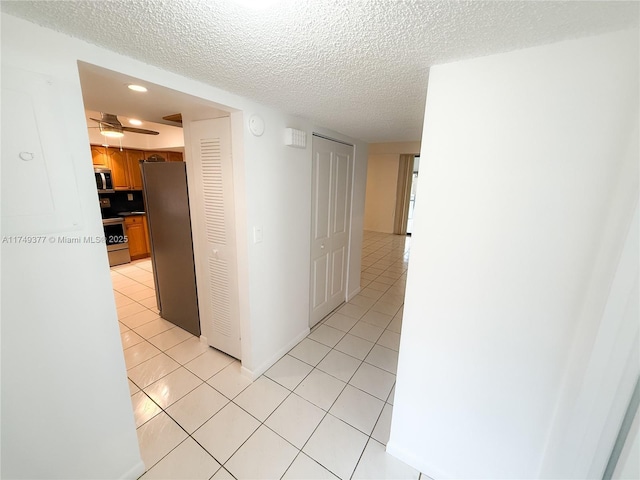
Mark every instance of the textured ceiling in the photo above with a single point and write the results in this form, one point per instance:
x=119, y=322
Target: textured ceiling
x=358, y=67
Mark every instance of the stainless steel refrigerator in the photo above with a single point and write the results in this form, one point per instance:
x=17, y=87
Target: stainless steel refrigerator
x=167, y=207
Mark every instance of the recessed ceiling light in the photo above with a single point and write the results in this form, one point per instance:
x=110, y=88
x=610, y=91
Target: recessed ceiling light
x=133, y=121
x=137, y=88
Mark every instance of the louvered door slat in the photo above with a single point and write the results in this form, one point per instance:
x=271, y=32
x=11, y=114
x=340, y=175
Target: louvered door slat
x=220, y=295
x=213, y=189
x=212, y=140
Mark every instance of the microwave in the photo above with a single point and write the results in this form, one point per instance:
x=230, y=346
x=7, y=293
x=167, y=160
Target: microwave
x=104, y=182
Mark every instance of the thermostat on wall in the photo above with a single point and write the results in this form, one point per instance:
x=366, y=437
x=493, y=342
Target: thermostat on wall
x=295, y=138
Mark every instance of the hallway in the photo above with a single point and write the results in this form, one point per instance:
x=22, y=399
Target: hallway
x=322, y=411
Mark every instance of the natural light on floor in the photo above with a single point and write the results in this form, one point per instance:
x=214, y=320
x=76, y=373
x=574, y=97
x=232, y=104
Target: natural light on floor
x=322, y=411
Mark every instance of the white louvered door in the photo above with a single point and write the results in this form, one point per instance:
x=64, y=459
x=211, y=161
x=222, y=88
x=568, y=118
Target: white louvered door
x=217, y=278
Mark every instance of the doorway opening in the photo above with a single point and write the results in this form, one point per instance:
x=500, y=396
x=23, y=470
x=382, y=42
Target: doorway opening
x=406, y=194
x=194, y=135
x=165, y=362
x=412, y=195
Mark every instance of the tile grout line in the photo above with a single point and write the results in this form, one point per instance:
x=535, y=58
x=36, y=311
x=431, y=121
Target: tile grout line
x=328, y=412
x=292, y=391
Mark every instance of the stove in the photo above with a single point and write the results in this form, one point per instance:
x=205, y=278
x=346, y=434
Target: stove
x=115, y=234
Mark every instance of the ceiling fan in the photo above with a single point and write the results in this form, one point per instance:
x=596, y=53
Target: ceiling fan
x=110, y=126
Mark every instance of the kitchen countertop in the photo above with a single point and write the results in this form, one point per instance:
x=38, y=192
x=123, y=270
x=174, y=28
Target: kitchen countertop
x=129, y=214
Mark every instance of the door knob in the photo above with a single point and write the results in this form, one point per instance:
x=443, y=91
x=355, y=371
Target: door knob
x=322, y=246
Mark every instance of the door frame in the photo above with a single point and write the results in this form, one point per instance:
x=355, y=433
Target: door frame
x=403, y=193
x=348, y=226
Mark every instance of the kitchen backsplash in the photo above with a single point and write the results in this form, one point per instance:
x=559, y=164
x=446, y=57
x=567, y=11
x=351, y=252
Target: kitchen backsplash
x=123, y=202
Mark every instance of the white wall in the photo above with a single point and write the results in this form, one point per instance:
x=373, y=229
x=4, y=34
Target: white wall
x=382, y=183
x=66, y=410
x=382, y=187
x=529, y=181
x=628, y=466
x=278, y=186
x=55, y=299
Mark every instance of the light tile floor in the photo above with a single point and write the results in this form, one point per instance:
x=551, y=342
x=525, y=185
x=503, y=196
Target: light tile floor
x=323, y=411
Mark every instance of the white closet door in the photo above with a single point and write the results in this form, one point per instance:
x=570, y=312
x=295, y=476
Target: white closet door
x=217, y=277
x=330, y=225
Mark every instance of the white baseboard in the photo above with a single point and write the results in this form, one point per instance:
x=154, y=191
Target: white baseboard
x=246, y=373
x=415, y=462
x=353, y=294
x=254, y=374
x=135, y=472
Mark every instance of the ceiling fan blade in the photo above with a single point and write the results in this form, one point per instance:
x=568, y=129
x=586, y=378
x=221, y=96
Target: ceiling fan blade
x=110, y=120
x=102, y=122
x=176, y=117
x=140, y=130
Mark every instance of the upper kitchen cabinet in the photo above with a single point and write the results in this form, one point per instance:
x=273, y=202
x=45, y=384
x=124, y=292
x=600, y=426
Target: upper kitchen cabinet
x=119, y=169
x=133, y=164
x=162, y=154
x=125, y=171
x=175, y=156
x=99, y=156
x=125, y=164
x=167, y=155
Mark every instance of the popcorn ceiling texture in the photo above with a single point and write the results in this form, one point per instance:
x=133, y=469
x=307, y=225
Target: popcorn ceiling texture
x=358, y=67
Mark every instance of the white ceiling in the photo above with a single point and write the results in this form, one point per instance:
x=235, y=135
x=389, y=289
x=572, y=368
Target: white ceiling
x=168, y=138
x=106, y=91
x=357, y=66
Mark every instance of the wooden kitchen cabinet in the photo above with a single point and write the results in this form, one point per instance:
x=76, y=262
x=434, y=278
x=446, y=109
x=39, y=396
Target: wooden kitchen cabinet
x=138, y=236
x=116, y=161
x=146, y=232
x=175, y=156
x=125, y=164
x=133, y=164
x=163, y=154
x=127, y=176
x=99, y=156
x=119, y=169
